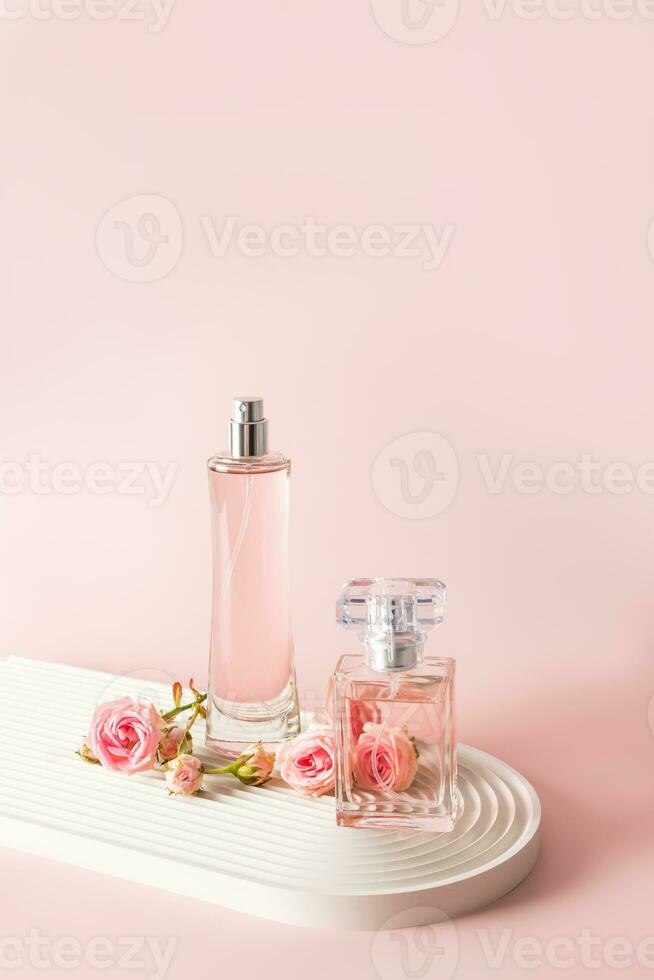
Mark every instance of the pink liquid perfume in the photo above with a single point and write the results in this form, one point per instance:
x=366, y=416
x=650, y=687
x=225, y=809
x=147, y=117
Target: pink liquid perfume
x=394, y=710
x=252, y=692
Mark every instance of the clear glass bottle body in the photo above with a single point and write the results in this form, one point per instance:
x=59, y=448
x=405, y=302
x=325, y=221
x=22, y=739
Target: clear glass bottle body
x=252, y=692
x=379, y=784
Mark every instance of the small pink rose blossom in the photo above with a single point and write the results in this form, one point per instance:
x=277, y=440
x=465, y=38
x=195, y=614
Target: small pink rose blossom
x=307, y=764
x=184, y=775
x=385, y=761
x=257, y=765
x=170, y=742
x=125, y=735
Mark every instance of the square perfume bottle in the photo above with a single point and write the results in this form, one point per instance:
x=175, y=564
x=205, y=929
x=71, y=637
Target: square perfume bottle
x=394, y=710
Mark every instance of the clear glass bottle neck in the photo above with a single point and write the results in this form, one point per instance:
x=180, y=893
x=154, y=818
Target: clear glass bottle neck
x=224, y=462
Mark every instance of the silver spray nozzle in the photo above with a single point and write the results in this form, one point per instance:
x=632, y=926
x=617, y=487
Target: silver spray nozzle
x=248, y=429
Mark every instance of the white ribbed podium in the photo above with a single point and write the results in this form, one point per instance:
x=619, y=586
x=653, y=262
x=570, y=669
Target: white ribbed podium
x=265, y=851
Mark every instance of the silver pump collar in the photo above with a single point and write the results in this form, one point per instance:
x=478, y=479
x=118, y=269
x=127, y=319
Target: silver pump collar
x=248, y=429
x=393, y=651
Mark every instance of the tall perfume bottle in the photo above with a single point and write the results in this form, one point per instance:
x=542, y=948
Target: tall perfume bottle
x=252, y=692
x=394, y=710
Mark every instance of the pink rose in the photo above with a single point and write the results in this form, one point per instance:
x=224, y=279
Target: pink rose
x=125, y=735
x=184, y=775
x=361, y=711
x=385, y=761
x=306, y=762
x=170, y=742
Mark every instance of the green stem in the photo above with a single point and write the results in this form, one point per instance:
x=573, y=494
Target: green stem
x=183, y=707
x=184, y=744
x=226, y=769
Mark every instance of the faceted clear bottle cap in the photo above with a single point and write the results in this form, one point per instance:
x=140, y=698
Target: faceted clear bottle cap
x=393, y=615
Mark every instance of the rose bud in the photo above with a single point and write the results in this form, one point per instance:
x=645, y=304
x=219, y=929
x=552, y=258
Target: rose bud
x=254, y=765
x=86, y=755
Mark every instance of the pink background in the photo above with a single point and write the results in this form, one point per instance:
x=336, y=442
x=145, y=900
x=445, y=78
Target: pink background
x=533, y=139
